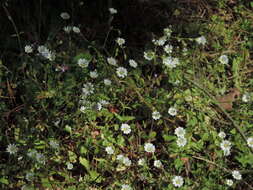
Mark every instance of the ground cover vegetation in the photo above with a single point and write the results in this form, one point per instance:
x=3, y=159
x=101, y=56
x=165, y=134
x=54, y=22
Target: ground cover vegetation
x=132, y=94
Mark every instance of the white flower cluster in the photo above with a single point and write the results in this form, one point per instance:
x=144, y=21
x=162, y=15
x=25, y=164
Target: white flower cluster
x=170, y=62
x=180, y=133
x=46, y=53
x=87, y=90
x=124, y=159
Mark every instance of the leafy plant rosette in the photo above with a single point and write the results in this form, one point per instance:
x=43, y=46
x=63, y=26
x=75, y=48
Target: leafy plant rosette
x=97, y=120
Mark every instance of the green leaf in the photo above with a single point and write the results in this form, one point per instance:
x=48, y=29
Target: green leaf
x=85, y=163
x=4, y=181
x=124, y=118
x=68, y=129
x=95, y=176
x=72, y=156
x=152, y=134
x=168, y=137
x=83, y=150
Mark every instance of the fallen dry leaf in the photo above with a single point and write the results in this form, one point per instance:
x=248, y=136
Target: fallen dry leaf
x=227, y=100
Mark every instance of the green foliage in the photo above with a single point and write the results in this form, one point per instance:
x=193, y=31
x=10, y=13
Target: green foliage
x=72, y=118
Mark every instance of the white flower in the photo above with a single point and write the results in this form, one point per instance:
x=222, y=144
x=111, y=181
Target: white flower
x=225, y=145
x=65, y=16
x=67, y=29
x=141, y=161
x=181, y=141
x=83, y=108
x=172, y=111
x=113, y=11
x=107, y=82
x=125, y=128
x=120, y=157
x=167, y=32
x=45, y=52
x=88, y=89
x=156, y=115
x=69, y=166
x=82, y=62
x=97, y=107
x=54, y=144
x=180, y=132
x=103, y=102
x=229, y=182
x=133, y=63
x=250, y=142
x=222, y=135
x=246, y=97
x=76, y=29
x=223, y=59
x=125, y=187
x=201, y=40
x=28, y=49
x=236, y=175
x=40, y=158
x=121, y=72
x=149, y=147
x=32, y=154
x=178, y=181
x=127, y=161
x=94, y=74
x=149, y=55
x=120, y=41
x=168, y=48
x=109, y=150
x=161, y=41
x=29, y=176
x=158, y=164
x=12, y=149
x=170, y=62
x=226, y=152
x=112, y=61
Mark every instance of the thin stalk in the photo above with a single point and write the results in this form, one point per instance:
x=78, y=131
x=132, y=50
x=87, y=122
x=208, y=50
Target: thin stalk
x=14, y=26
x=221, y=108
